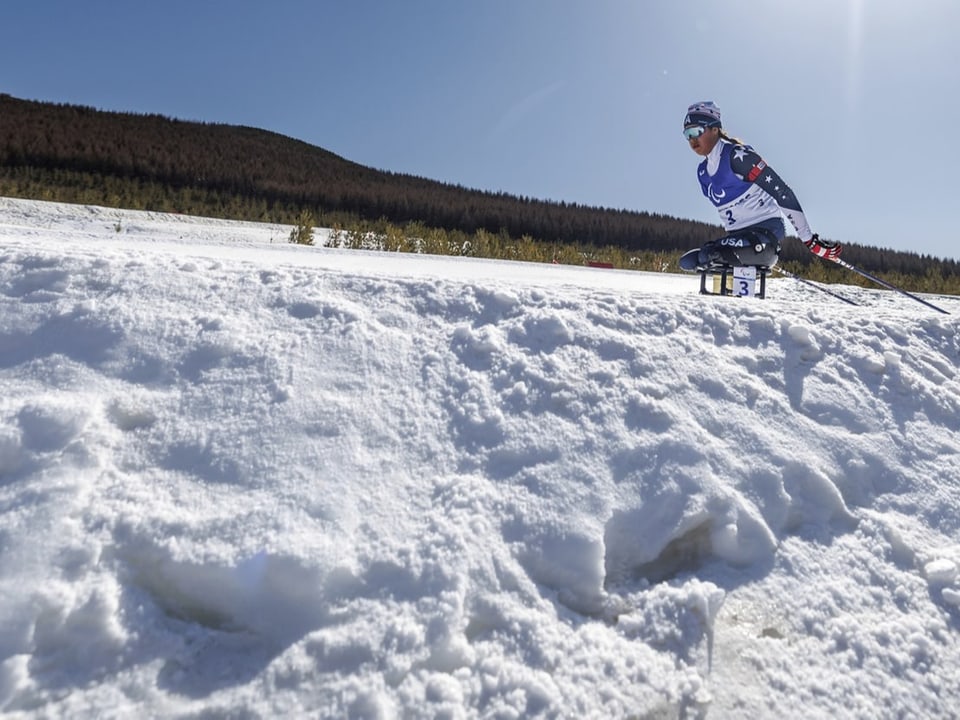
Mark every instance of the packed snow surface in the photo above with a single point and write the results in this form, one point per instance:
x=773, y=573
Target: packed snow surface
x=243, y=478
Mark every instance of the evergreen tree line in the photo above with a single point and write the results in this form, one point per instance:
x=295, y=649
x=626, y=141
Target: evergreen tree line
x=72, y=153
x=415, y=237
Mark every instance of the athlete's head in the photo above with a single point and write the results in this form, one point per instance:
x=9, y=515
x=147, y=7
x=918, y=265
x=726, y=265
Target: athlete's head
x=701, y=126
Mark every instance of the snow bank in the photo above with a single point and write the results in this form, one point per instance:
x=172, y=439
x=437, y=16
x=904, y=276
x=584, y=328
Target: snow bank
x=239, y=477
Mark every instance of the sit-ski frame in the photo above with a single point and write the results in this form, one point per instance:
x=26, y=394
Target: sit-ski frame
x=725, y=271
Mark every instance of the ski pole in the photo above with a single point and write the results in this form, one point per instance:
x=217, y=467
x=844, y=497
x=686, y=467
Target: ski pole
x=887, y=285
x=814, y=285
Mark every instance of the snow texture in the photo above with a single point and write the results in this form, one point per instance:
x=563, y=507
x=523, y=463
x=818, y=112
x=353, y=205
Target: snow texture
x=242, y=478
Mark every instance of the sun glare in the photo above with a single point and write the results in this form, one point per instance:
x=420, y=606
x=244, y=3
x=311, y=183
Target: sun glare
x=854, y=50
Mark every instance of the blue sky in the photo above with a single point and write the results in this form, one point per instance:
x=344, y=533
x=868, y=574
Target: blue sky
x=853, y=102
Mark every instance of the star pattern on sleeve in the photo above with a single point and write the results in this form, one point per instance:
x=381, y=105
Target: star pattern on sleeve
x=783, y=195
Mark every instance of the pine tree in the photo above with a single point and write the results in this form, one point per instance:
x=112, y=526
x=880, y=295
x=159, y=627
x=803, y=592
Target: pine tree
x=302, y=233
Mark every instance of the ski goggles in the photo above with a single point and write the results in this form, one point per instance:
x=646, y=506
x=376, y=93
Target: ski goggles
x=694, y=131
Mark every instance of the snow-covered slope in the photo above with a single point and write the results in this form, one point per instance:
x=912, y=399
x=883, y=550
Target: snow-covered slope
x=240, y=478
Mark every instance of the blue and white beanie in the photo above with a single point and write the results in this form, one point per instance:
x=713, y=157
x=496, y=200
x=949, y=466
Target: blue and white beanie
x=702, y=113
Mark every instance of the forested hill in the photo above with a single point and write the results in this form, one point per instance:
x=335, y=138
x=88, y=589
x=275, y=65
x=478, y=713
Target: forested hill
x=173, y=164
x=73, y=153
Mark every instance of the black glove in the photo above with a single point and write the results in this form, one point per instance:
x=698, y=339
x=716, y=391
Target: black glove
x=827, y=249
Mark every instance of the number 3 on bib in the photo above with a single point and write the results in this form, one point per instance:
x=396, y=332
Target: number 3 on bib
x=744, y=281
